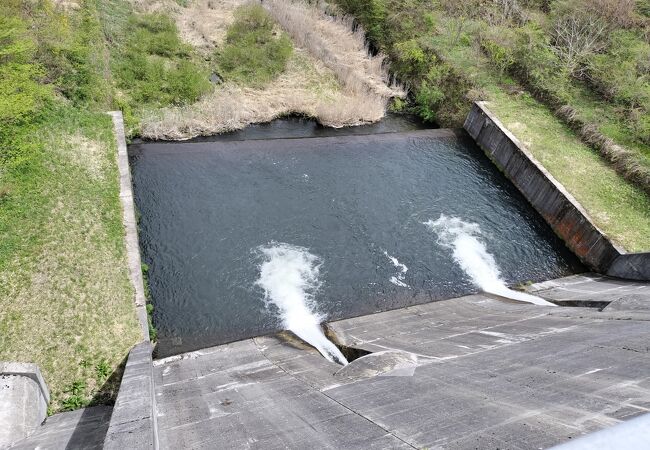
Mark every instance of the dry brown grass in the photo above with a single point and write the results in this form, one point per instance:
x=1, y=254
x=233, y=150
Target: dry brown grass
x=204, y=24
x=331, y=76
x=306, y=87
x=66, y=4
x=338, y=44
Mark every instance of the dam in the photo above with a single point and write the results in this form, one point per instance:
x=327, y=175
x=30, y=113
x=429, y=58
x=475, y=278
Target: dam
x=475, y=371
x=357, y=207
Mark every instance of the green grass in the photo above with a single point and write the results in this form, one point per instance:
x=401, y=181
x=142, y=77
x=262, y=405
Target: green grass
x=67, y=303
x=152, y=67
x=256, y=52
x=621, y=210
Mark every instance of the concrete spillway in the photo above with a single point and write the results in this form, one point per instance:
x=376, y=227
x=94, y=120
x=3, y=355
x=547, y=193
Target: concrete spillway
x=477, y=372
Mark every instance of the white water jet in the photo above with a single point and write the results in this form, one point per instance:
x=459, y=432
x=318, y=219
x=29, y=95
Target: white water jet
x=289, y=277
x=401, y=275
x=472, y=256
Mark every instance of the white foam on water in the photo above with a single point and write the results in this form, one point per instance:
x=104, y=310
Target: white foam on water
x=289, y=276
x=472, y=256
x=399, y=279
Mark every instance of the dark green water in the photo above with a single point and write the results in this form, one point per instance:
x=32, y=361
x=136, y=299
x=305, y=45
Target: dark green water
x=207, y=206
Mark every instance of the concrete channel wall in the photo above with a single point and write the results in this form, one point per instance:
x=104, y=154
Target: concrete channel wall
x=561, y=211
x=130, y=224
x=133, y=421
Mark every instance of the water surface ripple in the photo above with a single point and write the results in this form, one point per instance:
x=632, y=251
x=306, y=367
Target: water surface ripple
x=205, y=207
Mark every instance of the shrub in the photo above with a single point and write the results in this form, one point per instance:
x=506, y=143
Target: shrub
x=372, y=14
x=442, y=95
x=410, y=60
x=640, y=123
x=154, y=67
x=617, y=13
x=575, y=38
x=254, y=53
x=623, y=72
x=500, y=55
x=538, y=66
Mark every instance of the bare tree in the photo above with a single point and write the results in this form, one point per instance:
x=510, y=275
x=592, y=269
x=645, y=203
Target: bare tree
x=617, y=13
x=510, y=10
x=460, y=12
x=575, y=38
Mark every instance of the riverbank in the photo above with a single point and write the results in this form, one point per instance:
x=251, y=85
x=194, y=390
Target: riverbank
x=330, y=76
x=67, y=303
x=451, y=54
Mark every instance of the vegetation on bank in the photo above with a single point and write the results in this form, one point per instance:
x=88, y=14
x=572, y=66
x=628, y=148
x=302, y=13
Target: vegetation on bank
x=67, y=303
x=328, y=75
x=256, y=52
x=149, y=66
x=578, y=68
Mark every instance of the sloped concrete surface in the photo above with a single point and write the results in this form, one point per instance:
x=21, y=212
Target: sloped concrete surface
x=633, y=434
x=234, y=397
x=80, y=429
x=486, y=374
x=611, y=293
x=133, y=423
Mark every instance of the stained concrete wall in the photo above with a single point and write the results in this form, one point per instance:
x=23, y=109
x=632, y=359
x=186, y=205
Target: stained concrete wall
x=130, y=224
x=23, y=401
x=561, y=211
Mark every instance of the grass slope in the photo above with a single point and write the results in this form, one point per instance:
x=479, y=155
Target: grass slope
x=451, y=52
x=66, y=301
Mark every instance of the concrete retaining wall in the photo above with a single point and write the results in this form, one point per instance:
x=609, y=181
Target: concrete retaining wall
x=635, y=266
x=561, y=211
x=130, y=224
x=23, y=401
x=133, y=423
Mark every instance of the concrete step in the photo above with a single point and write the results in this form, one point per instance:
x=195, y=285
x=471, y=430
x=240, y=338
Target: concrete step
x=80, y=429
x=594, y=290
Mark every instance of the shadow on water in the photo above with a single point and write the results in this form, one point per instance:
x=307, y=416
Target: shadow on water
x=357, y=199
x=293, y=127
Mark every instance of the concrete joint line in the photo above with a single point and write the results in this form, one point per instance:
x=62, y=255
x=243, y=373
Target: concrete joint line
x=331, y=398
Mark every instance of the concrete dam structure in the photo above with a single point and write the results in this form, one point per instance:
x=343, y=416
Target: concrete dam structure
x=474, y=371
